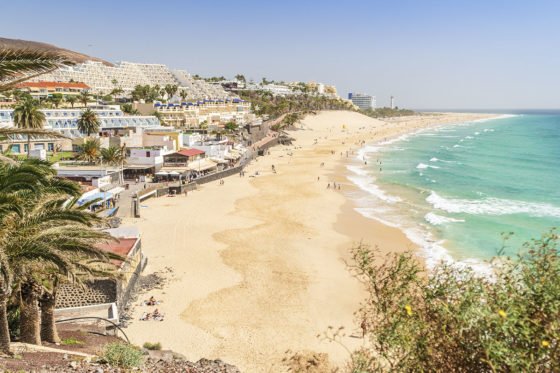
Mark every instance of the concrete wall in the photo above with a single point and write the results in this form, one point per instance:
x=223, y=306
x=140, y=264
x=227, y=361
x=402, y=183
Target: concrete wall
x=218, y=175
x=159, y=141
x=105, y=310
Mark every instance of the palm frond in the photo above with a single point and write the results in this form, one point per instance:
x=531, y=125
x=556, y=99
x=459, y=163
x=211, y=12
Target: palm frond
x=18, y=64
x=37, y=132
x=5, y=159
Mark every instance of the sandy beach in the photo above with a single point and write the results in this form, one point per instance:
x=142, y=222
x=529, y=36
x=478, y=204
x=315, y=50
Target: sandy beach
x=256, y=266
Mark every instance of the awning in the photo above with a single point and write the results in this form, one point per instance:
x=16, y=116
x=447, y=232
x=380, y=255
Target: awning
x=116, y=190
x=177, y=169
x=101, y=196
x=137, y=167
x=218, y=160
x=174, y=173
x=162, y=173
x=201, y=165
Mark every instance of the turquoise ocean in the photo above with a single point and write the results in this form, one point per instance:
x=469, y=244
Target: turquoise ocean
x=455, y=189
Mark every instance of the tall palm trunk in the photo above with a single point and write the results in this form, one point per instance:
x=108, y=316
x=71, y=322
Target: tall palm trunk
x=48, y=326
x=30, y=318
x=4, y=330
x=28, y=146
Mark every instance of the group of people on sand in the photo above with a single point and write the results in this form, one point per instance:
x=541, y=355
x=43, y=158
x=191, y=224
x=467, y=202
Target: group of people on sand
x=335, y=186
x=155, y=315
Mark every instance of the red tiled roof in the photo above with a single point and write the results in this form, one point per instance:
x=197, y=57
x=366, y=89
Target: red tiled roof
x=189, y=152
x=121, y=247
x=52, y=85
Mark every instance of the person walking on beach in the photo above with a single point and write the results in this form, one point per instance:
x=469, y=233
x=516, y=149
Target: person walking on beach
x=329, y=186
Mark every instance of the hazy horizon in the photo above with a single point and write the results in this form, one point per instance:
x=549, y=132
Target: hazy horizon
x=430, y=54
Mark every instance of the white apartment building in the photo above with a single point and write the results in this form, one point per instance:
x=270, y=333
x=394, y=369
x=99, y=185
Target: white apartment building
x=362, y=101
x=66, y=120
x=198, y=89
x=277, y=89
x=192, y=114
x=126, y=75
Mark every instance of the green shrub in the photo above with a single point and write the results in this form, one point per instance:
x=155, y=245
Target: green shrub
x=152, y=346
x=122, y=355
x=453, y=320
x=71, y=341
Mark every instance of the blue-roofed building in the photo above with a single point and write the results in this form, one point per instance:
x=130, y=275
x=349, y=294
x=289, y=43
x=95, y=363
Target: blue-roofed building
x=66, y=120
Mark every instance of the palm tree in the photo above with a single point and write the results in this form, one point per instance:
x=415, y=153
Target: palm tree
x=17, y=65
x=183, y=93
x=19, y=184
x=56, y=99
x=28, y=116
x=113, y=155
x=171, y=90
x=89, y=122
x=116, y=91
x=71, y=100
x=47, y=237
x=84, y=97
x=90, y=151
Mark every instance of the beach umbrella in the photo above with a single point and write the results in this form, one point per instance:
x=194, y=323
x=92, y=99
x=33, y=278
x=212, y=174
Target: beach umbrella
x=174, y=173
x=161, y=173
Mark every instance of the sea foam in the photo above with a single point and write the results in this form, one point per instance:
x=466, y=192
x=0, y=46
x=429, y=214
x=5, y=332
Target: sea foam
x=423, y=166
x=366, y=182
x=435, y=219
x=492, y=206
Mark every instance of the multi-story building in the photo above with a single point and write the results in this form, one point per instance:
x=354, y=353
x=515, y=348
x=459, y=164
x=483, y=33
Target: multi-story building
x=40, y=90
x=192, y=114
x=197, y=88
x=18, y=144
x=278, y=89
x=362, y=101
x=66, y=120
x=126, y=75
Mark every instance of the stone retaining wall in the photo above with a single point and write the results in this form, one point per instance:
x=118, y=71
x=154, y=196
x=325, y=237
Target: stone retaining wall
x=91, y=293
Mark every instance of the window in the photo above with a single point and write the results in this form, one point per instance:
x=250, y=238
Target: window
x=39, y=146
x=148, y=154
x=25, y=148
x=15, y=148
x=50, y=146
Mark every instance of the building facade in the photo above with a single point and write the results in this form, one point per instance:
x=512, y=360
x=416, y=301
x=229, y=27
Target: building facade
x=102, y=79
x=192, y=114
x=42, y=90
x=362, y=101
x=65, y=121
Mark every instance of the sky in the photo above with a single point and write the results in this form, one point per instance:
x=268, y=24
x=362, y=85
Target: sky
x=445, y=54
